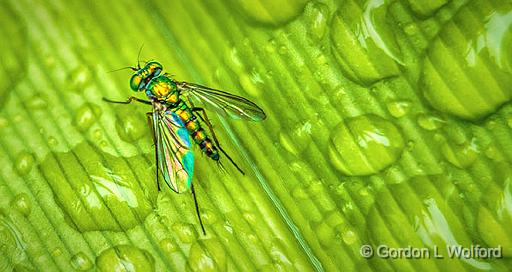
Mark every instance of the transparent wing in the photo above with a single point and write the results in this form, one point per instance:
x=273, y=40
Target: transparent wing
x=174, y=150
x=225, y=103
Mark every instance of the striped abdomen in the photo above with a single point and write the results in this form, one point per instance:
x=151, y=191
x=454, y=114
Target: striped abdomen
x=196, y=131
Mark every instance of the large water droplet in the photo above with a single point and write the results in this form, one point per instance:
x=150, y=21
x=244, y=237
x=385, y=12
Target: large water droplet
x=81, y=262
x=365, y=145
x=86, y=116
x=125, y=258
x=363, y=43
x=270, y=12
x=467, y=70
x=104, y=192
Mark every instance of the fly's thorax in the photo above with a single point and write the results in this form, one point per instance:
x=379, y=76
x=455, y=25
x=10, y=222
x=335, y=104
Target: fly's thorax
x=163, y=89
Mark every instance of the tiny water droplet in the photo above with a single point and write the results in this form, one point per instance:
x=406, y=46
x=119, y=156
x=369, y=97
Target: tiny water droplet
x=79, y=78
x=185, y=232
x=22, y=204
x=130, y=128
x=81, y=262
x=460, y=155
x=86, y=116
x=349, y=237
x=52, y=141
x=282, y=50
x=270, y=47
x=430, y=121
x=319, y=14
x=168, y=245
x=37, y=102
x=23, y=163
x=398, y=109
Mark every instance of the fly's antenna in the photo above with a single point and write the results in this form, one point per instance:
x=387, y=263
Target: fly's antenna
x=127, y=67
x=138, y=55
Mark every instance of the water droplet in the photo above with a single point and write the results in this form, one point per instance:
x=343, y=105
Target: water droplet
x=81, y=262
x=185, y=232
x=130, y=127
x=398, y=109
x=430, y=121
x=168, y=245
x=52, y=141
x=299, y=192
x=125, y=258
x=271, y=13
x=208, y=217
x=270, y=47
x=318, y=14
x=460, y=155
x=86, y=116
x=207, y=255
x=298, y=138
x=469, y=73
x=349, y=237
x=104, y=192
x=374, y=53
x=22, y=204
x=24, y=163
x=57, y=252
x=282, y=50
x=252, y=83
x=411, y=29
x=364, y=145
x=79, y=78
x=14, y=52
x=37, y=102
x=493, y=153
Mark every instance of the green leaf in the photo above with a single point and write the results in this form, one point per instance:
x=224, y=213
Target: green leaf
x=389, y=123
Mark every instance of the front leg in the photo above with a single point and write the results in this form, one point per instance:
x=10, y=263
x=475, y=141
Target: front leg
x=128, y=101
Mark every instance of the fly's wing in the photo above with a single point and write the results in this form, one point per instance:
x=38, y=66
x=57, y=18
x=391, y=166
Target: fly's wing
x=174, y=150
x=225, y=103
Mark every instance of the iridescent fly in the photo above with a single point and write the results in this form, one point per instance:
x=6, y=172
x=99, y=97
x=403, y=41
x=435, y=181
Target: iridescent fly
x=175, y=120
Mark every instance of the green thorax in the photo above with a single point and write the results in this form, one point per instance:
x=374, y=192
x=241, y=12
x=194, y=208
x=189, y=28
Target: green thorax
x=163, y=89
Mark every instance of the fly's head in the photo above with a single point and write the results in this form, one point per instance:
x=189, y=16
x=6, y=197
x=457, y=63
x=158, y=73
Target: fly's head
x=143, y=75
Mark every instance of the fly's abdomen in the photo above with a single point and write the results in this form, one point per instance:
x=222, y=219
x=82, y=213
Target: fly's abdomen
x=197, y=132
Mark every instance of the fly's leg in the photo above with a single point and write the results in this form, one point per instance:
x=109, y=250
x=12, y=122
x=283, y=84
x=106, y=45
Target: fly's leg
x=205, y=119
x=128, y=101
x=197, y=208
x=149, y=116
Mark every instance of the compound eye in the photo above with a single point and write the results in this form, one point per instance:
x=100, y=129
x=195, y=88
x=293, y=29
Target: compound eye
x=154, y=68
x=135, y=82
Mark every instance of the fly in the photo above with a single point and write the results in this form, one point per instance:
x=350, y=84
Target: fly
x=177, y=123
